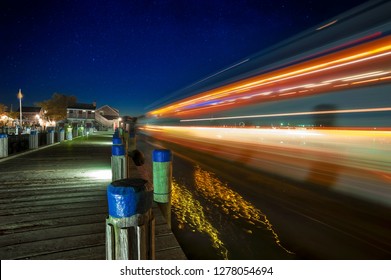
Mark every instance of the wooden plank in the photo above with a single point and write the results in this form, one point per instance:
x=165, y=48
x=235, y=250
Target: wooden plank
x=51, y=202
x=51, y=233
x=52, y=215
x=57, y=207
x=90, y=253
x=27, y=250
x=175, y=253
x=165, y=241
x=52, y=189
x=45, y=224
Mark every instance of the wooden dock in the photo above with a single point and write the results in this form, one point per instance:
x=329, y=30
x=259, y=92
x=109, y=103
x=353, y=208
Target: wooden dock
x=54, y=203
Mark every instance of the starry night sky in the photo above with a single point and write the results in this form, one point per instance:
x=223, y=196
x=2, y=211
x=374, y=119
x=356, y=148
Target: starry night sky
x=129, y=54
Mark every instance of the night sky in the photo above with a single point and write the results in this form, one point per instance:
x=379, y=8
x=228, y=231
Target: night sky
x=129, y=54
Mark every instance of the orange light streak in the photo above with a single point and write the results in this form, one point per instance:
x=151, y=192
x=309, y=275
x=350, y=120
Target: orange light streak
x=357, y=55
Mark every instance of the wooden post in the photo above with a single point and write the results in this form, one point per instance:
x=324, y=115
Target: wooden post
x=3, y=145
x=33, y=140
x=50, y=137
x=118, y=160
x=75, y=130
x=61, y=136
x=162, y=181
x=69, y=133
x=130, y=227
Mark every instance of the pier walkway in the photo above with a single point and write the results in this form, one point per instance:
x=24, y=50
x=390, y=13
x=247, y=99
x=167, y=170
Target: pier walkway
x=53, y=203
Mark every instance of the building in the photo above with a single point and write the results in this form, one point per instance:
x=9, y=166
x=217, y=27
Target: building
x=81, y=115
x=107, y=117
x=86, y=115
x=31, y=116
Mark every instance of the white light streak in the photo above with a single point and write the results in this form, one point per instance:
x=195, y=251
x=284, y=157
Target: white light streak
x=363, y=110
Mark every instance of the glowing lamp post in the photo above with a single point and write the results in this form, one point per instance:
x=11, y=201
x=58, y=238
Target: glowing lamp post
x=20, y=96
x=118, y=125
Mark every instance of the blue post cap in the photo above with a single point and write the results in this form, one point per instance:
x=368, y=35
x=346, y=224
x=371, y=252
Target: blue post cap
x=127, y=197
x=132, y=134
x=61, y=129
x=161, y=155
x=118, y=150
x=117, y=140
x=33, y=132
x=3, y=135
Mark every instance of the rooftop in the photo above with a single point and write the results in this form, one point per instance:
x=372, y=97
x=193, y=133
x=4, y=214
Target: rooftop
x=84, y=106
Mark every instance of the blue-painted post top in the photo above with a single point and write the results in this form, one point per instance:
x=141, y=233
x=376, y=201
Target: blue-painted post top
x=117, y=140
x=132, y=134
x=161, y=155
x=61, y=129
x=33, y=132
x=127, y=197
x=118, y=150
x=3, y=135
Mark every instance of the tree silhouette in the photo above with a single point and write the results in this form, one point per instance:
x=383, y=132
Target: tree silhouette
x=56, y=108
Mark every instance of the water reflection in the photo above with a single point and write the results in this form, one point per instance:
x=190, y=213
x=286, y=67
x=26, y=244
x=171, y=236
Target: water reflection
x=232, y=203
x=190, y=212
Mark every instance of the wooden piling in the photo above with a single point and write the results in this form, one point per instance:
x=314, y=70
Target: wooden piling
x=3, y=145
x=162, y=181
x=118, y=163
x=33, y=140
x=130, y=227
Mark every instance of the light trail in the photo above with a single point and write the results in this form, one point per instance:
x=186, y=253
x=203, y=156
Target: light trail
x=351, y=161
x=364, y=110
x=347, y=59
x=330, y=102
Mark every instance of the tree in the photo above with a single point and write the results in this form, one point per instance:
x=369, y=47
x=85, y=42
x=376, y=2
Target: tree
x=56, y=107
x=3, y=108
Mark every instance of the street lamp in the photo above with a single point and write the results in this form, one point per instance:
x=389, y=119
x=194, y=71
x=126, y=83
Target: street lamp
x=20, y=96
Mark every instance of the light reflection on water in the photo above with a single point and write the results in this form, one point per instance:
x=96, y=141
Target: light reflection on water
x=232, y=203
x=190, y=212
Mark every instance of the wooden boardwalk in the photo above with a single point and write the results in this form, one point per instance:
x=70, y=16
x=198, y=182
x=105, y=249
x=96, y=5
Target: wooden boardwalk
x=53, y=203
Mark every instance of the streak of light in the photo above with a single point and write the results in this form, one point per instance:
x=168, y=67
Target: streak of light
x=365, y=81
x=189, y=211
x=370, y=80
x=226, y=69
x=327, y=25
x=353, y=161
x=342, y=85
x=358, y=55
x=288, y=93
x=364, y=110
x=365, y=75
x=316, y=85
x=232, y=203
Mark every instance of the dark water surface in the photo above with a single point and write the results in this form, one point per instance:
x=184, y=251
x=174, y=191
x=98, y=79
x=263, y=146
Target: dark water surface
x=211, y=218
